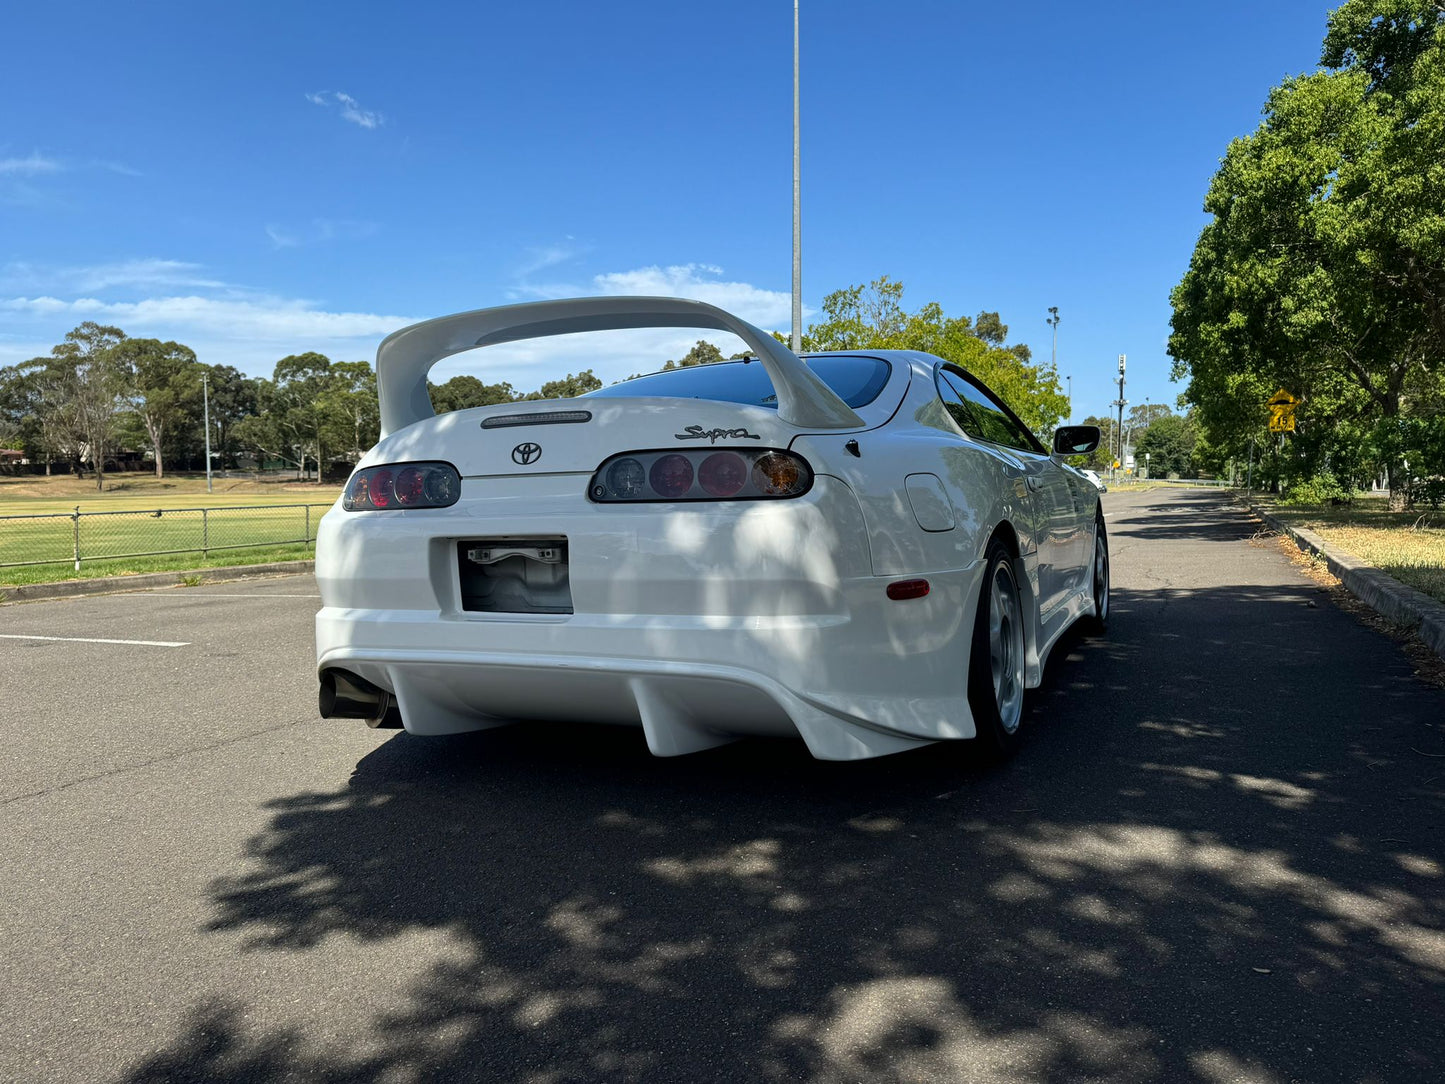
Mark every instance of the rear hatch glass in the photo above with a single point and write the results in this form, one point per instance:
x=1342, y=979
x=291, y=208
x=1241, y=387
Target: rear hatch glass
x=855, y=380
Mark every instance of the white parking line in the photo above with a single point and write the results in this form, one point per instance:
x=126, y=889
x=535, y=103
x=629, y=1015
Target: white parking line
x=89, y=640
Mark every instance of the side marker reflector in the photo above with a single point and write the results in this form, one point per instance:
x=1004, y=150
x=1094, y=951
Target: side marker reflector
x=903, y=589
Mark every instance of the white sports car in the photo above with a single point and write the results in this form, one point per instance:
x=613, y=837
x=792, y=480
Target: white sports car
x=866, y=550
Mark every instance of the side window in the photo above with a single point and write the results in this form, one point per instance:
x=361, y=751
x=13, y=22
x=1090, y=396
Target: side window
x=962, y=415
x=993, y=422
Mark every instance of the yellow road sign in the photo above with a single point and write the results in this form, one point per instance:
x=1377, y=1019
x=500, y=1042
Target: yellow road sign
x=1281, y=419
x=1281, y=398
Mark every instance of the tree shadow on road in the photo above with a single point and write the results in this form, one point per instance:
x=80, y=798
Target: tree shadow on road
x=1168, y=884
x=1200, y=516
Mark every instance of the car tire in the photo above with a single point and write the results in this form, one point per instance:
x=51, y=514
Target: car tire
x=996, y=662
x=1096, y=623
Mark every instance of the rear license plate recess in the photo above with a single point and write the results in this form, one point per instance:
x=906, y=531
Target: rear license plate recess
x=514, y=575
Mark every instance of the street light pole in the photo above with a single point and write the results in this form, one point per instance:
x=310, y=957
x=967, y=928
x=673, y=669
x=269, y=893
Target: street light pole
x=797, y=201
x=1120, y=403
x=206, y=408
x=1053, y=322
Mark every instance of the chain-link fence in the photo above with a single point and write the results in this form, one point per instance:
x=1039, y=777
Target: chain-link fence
x=76, y=537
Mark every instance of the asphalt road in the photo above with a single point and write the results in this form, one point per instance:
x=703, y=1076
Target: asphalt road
x=1217, y=859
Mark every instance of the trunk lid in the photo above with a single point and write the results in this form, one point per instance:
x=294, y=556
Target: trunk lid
x=550, y=437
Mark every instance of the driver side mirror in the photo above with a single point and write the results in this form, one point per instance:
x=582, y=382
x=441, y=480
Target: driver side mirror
x=1076, y=439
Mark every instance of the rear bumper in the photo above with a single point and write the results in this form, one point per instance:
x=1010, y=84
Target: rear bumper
x=698, y=625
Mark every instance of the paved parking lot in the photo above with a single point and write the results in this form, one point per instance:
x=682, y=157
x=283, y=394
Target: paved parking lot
x=1217, y=859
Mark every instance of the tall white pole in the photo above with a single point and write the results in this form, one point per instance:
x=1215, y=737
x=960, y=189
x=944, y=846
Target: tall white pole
x=206, y=408
x=797, y=201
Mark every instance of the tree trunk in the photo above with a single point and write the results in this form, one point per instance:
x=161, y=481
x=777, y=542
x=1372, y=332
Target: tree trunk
x=1399, y=485
x=154, y=432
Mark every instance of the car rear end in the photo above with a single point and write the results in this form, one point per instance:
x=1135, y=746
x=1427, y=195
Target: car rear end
x=655, y=560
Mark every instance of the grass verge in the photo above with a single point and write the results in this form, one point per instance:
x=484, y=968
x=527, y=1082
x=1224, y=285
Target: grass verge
x=1409, y=546
x=173, y=562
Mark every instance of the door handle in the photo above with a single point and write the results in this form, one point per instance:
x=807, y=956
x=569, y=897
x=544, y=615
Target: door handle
x=1033, y=482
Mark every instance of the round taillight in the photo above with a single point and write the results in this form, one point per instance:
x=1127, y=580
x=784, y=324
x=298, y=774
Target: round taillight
x=410, y=485
x=441, y=486
x=671, y=476
x=626, y=478
x=381, y=489
x=357, y=498
x=722, y=474
x=776, y=474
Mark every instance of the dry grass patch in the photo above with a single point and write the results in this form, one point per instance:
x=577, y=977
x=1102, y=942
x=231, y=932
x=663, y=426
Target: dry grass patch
x=1410, y=546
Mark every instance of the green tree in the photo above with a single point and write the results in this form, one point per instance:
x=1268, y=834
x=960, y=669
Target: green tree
x=164, y=382
x=1169, y=444
x=1143, y=416
x=349, y=407
x=1102, y=457
x=464, y=392
x=233, y=397
x=1323, y=267
x=81, y=391
x=20, y=406
x=568, y=387
x=704, y=353
x=297, y=406
x=872, y=317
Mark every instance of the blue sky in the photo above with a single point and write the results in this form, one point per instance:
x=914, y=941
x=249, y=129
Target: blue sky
x=261, y=179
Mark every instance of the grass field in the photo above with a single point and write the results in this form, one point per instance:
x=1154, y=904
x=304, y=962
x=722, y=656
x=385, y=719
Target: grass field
x=143, y=524
x=1410, y=546
x=31, y=494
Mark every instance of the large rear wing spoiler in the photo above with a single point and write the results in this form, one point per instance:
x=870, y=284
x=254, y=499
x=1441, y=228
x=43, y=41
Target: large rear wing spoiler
x=405, y=357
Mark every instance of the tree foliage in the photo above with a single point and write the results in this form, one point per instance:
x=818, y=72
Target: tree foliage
x=163, y=382
x=704, y=353
x=464, y=392
x=872, y=317
x=100, y=390
x=1322, y=268
x=1169, y=445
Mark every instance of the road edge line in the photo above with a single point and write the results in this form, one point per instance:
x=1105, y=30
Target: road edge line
x=1384, y=594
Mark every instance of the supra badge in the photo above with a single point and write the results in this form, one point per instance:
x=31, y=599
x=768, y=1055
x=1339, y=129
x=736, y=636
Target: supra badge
x=525, y=454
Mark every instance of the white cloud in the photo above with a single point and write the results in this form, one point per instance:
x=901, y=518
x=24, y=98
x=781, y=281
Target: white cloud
x=98, y=277
x=271, y=319
x=320, y=230
x=280, y=238
x=614, y=355
x=349, y=108
x=697, y=281
x=30, y=165
x=541, y=257
x=252, y=331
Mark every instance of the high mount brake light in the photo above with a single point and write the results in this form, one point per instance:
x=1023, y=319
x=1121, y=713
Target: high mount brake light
x=713, y=474
x=403, y=485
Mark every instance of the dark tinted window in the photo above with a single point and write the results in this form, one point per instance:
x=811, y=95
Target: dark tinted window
x=856, y=380
x=978, y=415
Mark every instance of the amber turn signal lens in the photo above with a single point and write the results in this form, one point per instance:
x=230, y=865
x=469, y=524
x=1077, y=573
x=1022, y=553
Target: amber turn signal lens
x=777, y=474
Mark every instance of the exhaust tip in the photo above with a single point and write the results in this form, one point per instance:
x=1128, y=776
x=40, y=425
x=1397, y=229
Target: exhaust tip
x=344, y=695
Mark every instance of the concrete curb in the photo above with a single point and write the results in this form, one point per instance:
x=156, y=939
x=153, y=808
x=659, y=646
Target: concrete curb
x=110, y=585
x=1386, y=596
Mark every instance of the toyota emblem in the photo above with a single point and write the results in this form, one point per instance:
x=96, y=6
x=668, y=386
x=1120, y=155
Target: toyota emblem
x=526, y=453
